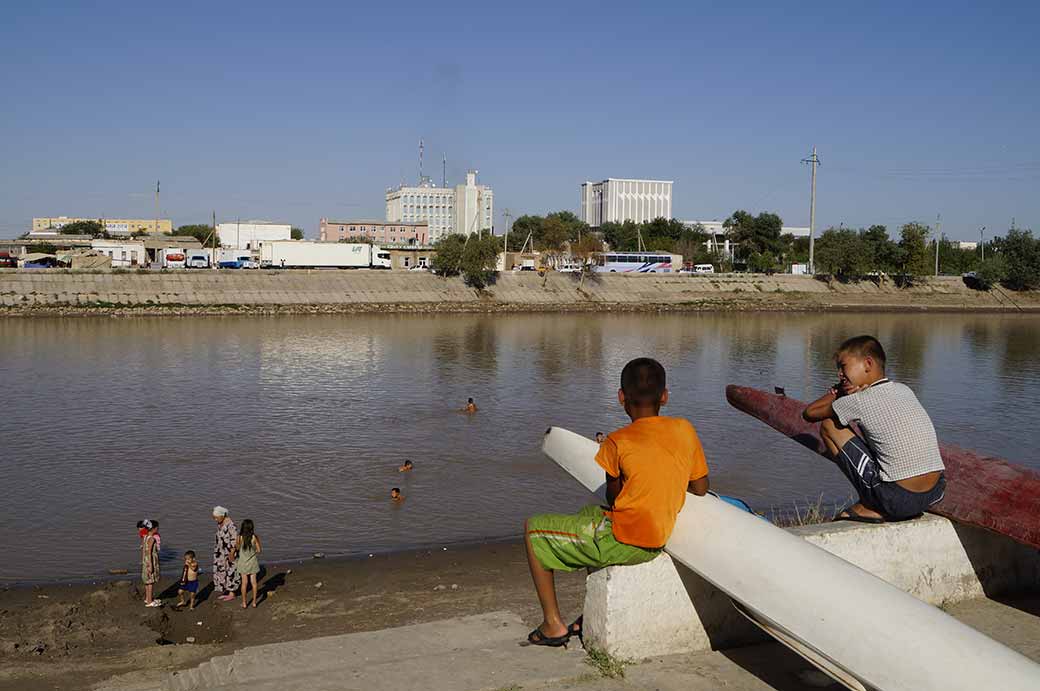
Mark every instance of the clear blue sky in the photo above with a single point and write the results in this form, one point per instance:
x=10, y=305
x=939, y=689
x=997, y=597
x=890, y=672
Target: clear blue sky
x=293, y=111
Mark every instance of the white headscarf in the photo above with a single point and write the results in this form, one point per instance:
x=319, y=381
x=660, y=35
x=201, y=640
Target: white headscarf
x=220, y=511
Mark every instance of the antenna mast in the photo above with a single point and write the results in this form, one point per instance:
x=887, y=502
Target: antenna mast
x=444, y=170
x=420, y=160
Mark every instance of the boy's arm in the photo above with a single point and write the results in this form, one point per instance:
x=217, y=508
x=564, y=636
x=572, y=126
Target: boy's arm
x=821, y=409
x=613, y=488
x=698, y=486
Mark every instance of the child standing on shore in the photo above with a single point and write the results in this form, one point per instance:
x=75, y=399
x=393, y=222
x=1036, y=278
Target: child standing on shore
x=650, y=465
x=150, y=559
x=247, y=563
x=896, y=467
x=189, y=580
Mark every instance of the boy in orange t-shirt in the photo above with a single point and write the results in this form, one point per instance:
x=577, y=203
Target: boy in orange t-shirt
x=650, y=465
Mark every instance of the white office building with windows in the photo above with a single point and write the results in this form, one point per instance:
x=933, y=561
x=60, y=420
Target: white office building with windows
x=616, y=201
x=463, y=209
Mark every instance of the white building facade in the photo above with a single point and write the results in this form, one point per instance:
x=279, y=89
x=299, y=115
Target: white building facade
x=464, y=209
x=719, y=240
x=616, y=201
x=248, y=235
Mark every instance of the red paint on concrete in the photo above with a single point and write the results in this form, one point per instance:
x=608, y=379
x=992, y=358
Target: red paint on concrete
x=981, y=490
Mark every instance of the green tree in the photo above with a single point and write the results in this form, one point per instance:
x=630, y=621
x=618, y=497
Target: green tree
x=448, y=260
x=553, y=240
x=478, y=260
x=200, y=231
x=524, y=227
x=914, y=249
x=991, y=271
x=296, y=233
x=757, y=235
x=1021, y=252
x=91, y=228
x=576, y=227
x=882, y=253
x=842, y=252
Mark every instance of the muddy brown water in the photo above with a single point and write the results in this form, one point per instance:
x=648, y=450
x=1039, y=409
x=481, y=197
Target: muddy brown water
x=300, y=422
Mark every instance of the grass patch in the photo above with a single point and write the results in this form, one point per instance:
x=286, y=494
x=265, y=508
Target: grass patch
x=511, y=687
x=606, y=664
x=810, y=513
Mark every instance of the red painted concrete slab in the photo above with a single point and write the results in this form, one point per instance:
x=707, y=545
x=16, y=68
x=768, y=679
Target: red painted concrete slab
x=981, y=490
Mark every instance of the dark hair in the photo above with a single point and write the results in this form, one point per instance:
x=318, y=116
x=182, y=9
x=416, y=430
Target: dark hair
x=190, y=553
x=408, y=463
x=395, y=489
x=863, y=346
x=469, y=400
x=247, y=533
x=643, y=381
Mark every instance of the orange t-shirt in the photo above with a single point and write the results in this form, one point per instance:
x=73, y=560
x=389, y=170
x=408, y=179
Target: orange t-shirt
x=655, y=457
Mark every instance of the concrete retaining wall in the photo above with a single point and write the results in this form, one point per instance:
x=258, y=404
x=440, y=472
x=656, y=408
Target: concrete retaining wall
x=22, y=290
x=662, y=607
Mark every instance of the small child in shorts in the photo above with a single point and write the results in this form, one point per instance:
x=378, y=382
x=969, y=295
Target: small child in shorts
x=650, y=465
x=189, y=580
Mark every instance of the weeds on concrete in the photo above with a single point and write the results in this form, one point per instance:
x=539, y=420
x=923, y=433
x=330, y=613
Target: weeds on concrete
x=606, y=664
x=811, y=513
x=511, y=687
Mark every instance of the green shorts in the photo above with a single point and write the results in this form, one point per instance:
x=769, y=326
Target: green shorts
x=567, y=542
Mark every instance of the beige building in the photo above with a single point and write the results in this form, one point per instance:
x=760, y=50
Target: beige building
x=378, y=232
x=113, y=226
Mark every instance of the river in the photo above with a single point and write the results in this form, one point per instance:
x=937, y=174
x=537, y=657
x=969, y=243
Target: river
x=300, y=422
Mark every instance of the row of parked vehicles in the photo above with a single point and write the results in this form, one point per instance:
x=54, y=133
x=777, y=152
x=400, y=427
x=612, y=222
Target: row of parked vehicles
x=280, y=255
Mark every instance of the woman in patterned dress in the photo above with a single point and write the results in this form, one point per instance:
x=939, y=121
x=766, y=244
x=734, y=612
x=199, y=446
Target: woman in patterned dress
x=225, y=576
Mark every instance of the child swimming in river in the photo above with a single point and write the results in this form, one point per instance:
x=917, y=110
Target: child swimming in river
x=471, y=407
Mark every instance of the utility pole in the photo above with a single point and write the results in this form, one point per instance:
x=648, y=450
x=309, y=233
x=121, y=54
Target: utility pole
x=982, y=241
x=813, y=161
x=938, y=224
x=507, y=216
x=214, y=259
x=155, y=230
x=238, y=230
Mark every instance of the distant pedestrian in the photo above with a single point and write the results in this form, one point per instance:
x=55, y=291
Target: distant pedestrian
x=225, y=577
x=406, y=467
x=247, y=559
x=471, y=407
x=150, y=559
x=189, y=580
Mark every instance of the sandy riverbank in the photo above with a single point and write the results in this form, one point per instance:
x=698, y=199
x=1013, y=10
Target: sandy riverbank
x=73, y=636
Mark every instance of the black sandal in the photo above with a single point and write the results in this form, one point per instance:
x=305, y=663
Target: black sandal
x=575, y=629
x=536, y=637
x=851, y=515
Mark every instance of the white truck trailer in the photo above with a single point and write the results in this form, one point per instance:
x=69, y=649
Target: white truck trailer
x=305, y=254
x=172, y=257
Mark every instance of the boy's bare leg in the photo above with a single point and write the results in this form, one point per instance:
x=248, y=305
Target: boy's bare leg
x=552, y=624
x=147, y=593
x=835, y=438
x=191, y=601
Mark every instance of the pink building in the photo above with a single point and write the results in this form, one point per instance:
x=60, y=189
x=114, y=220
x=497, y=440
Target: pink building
x=379, y=232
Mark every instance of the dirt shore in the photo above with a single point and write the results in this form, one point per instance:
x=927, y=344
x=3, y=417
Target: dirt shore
x=66, y=636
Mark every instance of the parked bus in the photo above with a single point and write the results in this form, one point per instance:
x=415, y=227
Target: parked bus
x=638, y=262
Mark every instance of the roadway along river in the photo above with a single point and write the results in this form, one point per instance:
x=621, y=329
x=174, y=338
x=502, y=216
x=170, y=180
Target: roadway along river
x=300, y=422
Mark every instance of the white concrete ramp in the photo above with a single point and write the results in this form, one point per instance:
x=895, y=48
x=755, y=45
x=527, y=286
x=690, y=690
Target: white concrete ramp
x=468, y=654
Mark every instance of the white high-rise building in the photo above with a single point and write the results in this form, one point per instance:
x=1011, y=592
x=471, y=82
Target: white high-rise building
x=616, y=201
x=464, y=209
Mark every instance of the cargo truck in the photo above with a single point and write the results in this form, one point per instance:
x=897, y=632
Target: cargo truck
x=172, y=258
x=303, y=254
x=198, y=259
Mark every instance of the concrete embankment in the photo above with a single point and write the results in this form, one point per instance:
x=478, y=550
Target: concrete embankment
x=200, y=292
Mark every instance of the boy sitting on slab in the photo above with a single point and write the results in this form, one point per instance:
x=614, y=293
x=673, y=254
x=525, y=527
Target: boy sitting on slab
x=895, y=467
x=650, y=465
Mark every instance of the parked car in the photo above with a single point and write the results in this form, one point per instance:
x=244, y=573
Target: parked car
x=7, y=261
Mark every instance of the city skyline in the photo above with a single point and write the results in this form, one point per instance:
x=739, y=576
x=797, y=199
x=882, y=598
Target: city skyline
x=915, y=111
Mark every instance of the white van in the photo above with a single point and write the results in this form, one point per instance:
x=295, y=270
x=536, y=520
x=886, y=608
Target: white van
x=703, y=268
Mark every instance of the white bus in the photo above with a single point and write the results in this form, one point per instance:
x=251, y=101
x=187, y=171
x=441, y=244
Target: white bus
x=638, y=262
